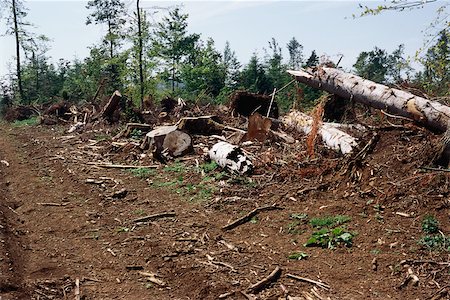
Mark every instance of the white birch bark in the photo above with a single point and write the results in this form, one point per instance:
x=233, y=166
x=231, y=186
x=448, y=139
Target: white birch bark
x=432, y=114
x=230, y=157
x=332, y=137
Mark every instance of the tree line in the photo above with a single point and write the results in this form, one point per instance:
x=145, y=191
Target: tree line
x=149, y=61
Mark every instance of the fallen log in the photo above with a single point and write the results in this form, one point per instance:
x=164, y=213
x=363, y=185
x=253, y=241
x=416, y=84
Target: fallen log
x=332, y=137
x=431, y=114
x=230, y=157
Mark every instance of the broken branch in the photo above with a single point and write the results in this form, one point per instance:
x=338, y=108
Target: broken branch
x=249, y=216
x=265, y=281
x=155, y=216
x=318, y=283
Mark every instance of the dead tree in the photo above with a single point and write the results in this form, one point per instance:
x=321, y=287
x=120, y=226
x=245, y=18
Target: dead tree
x=428, y=113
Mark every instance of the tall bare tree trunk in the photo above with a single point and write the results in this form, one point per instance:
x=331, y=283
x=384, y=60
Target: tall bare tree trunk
x=141, y=71
x=16, y=33
x=111, y=43
x=431, y=114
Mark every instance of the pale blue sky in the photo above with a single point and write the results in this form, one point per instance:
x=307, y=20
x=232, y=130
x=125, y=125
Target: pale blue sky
x=324, y=26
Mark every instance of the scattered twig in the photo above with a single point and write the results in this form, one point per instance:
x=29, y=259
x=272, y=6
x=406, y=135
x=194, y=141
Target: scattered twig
x=112, y=166
x=249, y=216
x=318, y=283
x=77, y=289
x=155, y=216
x=265, y=281
x=52, y=204
x=152, y=278
x=431, y=262
x=435, y=169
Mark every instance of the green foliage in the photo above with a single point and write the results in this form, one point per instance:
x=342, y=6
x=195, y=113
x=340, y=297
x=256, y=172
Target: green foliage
x=329, y=221
x=298, y=256
x=295, y=50
x=27, y=122
x=300, y=216
x=292, y=227
x=430, y=224
x=209, y=166
x=437, y=66
x=109, y=12
x=231, y=67
x=143, y=172
x=436, y=242
x=176, y=167
x=122, y=229
x=330, y=238
x=204, y=72
x=172, y=43
x=253, y=77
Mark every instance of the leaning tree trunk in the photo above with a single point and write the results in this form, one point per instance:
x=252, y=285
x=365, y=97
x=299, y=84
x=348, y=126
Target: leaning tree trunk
x=429, y=113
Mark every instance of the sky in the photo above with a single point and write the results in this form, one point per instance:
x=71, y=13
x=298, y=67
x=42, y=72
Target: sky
x=324, y=26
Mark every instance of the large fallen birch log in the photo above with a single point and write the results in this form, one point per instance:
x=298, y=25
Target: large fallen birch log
x=332, y=137
x=429, y=113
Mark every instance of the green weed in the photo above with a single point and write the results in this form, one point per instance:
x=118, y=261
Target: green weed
x=208, y=167
x=301, y=216
x=177, y=167
x=291, y=228
x=430, y=224
x=437, y=242
x=27, y=122
x=298, y=256
x=123, y=229
x=143, y=172
x=329, y=221
x=330, y=238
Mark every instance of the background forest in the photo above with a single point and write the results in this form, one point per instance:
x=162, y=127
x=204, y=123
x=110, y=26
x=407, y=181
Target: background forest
x=151, y=60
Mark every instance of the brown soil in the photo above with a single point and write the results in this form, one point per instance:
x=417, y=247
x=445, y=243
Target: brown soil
x=55, y=227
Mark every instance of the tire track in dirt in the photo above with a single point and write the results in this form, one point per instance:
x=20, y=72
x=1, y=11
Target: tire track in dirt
x=12, y=255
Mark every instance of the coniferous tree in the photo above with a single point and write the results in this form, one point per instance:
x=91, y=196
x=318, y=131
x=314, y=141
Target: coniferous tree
x=231, y=66
x=295, y=50
x=172, y=43
x=109, y=12
x=313, y=60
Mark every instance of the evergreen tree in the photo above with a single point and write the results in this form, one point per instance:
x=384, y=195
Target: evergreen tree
x=372, y=65
x=172, y=43
x=231, y=67
x=253, y=77
x=204, y=73
x=295, y=50
x=313, y=60
x=109, y=12
x=437, y=66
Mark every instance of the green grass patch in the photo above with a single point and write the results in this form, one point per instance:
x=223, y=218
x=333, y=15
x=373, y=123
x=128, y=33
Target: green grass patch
x=27, y=122
x=438, y=242
x=176, y=167
x=331, y=238
x=143, y=172
x=329, y=221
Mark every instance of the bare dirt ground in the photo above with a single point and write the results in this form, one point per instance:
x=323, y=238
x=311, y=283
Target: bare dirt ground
x=63, y=219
